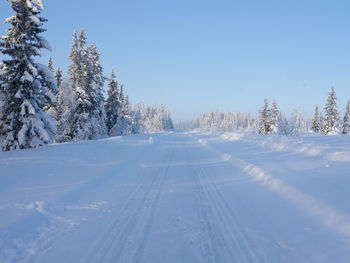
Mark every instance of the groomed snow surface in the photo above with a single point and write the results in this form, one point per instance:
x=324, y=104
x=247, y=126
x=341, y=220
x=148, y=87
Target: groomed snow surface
x=178, y=197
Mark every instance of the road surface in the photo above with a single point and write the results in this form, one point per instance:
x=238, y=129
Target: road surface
x=171, y=197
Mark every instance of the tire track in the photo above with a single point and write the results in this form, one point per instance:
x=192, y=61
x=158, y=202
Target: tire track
x=229, y=219
x=141, y=248
x=138, y=213
x=224, y=239
x=45, y=237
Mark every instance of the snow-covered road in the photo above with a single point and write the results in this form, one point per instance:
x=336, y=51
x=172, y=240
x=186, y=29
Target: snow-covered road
x=177, y=197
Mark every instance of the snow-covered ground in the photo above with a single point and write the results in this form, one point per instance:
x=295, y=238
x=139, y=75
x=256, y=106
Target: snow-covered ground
x=178, y=197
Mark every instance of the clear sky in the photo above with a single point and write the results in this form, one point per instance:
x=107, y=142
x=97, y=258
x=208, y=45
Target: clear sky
x=196, y=56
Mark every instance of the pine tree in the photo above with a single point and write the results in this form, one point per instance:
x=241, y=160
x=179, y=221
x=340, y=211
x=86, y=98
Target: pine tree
x=331, y=118
x=264, y=121
x=112, y=103
x=25, y=85
x=346, y=120
x=316, y=121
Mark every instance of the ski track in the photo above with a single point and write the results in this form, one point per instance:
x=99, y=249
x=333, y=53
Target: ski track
x=216, y=218
x=43, y=237
x=138, y=213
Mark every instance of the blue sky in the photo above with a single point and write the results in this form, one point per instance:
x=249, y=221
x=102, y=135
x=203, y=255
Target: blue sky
x=197, y=56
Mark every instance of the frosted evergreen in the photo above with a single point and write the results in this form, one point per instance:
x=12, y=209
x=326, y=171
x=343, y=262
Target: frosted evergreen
x=331, y=115
x=346, y=120
x=148, y=119
x=112, y=103
x=58, y=77
x=50, y=65
x=224, y=121
x=65, y=108
x=87, y=80
x=274, y=119
x=124, y=125
x=316, y=125
x=25, y=85
x=264, y=120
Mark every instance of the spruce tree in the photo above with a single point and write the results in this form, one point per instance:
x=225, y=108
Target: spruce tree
x=74, y=70
x=331, y=118
x=87, y=79
x=50, y=109
x=112, y=105
x=25, y=86
x=316, y=121
x=81, y=128
x=321, y=123
x=274, y=119
x=59, y=77
x=96, y=83
x=65, y=109
x=50, y=65
x=346, y=120
x=264, y=120
x=124, y=122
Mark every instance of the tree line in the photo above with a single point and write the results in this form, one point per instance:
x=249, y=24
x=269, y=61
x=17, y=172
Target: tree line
x=39, y=105
x=270, y=120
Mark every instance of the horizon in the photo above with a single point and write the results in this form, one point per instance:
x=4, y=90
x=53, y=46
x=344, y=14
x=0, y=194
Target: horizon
x=172, y=54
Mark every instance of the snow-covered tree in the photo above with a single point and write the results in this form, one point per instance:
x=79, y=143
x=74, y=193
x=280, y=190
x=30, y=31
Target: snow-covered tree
x=316, y=121
x=321, y=122
x=74, y=70
x=65, y=111
x=274, y=118
x=298, y=122
x=112, y=104
x=331, y=115
x=124, y=125
x=138, y=115
x=58, y=77
x=98, y=114
x=25, y=86
x=81, y=128
x=50, y=108
x=148, y=119
x=264, y=120
x=283, y=126
x=87, y=79
x=346, y=120
x=224, y=121
x=50, y=64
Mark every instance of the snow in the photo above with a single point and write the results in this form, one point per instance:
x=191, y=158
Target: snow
x=27, y=77
x=27, y=108
x=33, y=70
x=29, y=4
x=22, y=135
x=36, y=51
x=178, y=197
x=36, y=5
x=10, y=19
x=35, y=20
x=45, y=44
